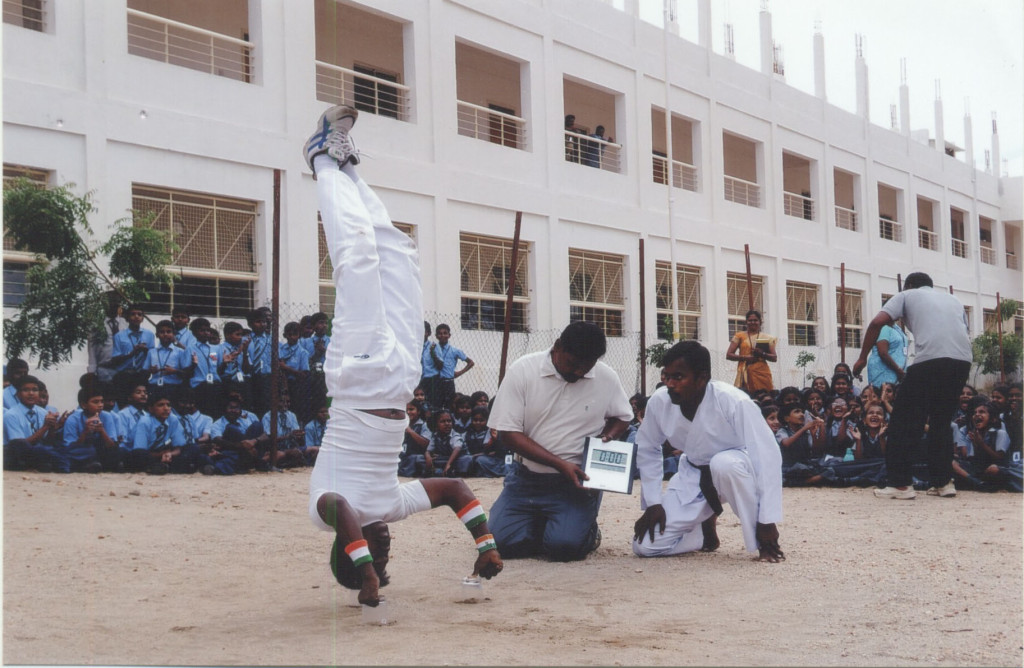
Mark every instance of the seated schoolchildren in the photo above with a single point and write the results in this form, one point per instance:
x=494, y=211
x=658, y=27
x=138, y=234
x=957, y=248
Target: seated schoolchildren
x=841, y=387
x=445, y=455
x=88, y=445
x=132, y=413
x=159, y=447
x=485, y=451
x=168, y=363
x=870, y=438
x=235, y=441
x=412, y=461
x=838, y=440
x=16, y=368
x=291, y=438
x=799, y=453
x=463, y=414
x=26, y=426
x=55, y=437
x=985, y=443
x=315, y=429
x=195, y=426
x=770, y=413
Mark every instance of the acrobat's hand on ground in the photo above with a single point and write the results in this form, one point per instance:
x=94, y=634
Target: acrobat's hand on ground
x=768, y=543
x=488, y=564
x=369, y=594
x=648, y=522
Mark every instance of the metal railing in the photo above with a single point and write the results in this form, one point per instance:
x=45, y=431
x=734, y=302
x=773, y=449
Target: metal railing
x=339, y=85
x=890, y=229
x=26, y=13
x=592, y=152
x=742, y=192
x=959, y=247
x=846, y=218
x=491, y=125
x=988, y=254
x=180, y=44
x=797, y=206
x=927, y=239
x=684, y=175
x=1011, y=260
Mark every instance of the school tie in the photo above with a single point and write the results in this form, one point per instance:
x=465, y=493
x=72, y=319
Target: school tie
x=186, y=424
x=33, y=420
x=161, y=434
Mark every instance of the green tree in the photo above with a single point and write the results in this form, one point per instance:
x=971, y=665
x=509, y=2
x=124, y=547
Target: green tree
x=802, y=360
x=986, y=352
x=65, y=301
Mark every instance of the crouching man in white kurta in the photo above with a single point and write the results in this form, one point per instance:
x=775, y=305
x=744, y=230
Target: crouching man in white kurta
x=729, y=455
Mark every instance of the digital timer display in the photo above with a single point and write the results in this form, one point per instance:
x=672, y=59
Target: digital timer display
x=609, y=460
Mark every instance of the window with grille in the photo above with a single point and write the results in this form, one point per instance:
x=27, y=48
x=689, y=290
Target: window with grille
x=325, y=269
x=989, y=320
x=854, y=317
x=739, y=303
x=15, y=283
x=373, y=96
x=214, y=254
x=595, y=290
x=802, y=313
x=485, y=268
x=687, y=296
x=29, y=14
x=12, y=173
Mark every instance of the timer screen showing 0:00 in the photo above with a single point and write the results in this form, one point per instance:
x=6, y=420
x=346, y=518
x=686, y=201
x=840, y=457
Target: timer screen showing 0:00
x=609, y=459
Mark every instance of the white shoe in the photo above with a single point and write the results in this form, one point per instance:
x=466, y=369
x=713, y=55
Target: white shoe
x=896, y=493
x=331, y=137
x=946, y=491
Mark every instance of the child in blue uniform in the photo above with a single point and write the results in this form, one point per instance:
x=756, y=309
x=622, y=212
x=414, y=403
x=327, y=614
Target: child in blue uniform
x=412, y=461
x=132, y=413
x=234, y=441
x=488, y=456
x=195, y=425
x=291, y=438
x=316, y=346
x=168, y=363
x=87, y=437
x=159, y=446
x=231, y=367
x=205, y=381
x=293, y=360
x=315, y=433
x=446, y=454
x=256, y=361
x=26, y=427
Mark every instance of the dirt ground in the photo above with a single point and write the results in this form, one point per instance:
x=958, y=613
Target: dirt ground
x=130, y=569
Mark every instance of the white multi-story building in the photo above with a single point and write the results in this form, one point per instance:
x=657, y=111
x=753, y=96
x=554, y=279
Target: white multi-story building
x=186, y=108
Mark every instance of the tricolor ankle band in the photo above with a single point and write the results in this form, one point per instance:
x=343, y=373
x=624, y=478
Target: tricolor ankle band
x=359, y=552
x=486, y=542
x=473, y=514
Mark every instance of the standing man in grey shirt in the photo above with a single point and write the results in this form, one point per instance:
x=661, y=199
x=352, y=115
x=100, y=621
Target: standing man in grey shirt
x=930, y=390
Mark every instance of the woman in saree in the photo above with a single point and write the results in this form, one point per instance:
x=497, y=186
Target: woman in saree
x=752, y=372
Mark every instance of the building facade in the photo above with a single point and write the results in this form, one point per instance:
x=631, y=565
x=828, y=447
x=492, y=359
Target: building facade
x=185, y=109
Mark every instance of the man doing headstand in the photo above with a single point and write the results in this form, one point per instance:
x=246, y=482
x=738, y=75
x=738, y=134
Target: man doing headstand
x=371, y=368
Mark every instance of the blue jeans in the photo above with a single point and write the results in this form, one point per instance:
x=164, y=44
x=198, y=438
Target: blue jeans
x=544, y=514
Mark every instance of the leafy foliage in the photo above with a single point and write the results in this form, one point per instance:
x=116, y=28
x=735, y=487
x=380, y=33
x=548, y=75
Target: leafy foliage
x=67, y=292
x=1008, y=308
x=804, y=358
x=986, y=352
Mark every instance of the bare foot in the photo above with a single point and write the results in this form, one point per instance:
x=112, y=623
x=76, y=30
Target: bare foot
x=710, y=529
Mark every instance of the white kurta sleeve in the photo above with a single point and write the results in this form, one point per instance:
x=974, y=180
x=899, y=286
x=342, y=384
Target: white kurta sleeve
x=649, y=461
x=766, y=458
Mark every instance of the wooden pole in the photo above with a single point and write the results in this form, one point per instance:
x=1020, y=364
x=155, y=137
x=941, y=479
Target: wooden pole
x=509, y=297
x=999, y=329
x=899, y=283
x=275, y=292
x=643, y=320
x=750, y=279
x=842, y=312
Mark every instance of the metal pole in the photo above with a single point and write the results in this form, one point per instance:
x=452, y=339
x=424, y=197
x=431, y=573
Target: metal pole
x=668, y=18
x=899, y=283
x=643, y=321
x=842, y=312
x=508, y=297
x=275, y=296
x=999, y=329
x=750, y=279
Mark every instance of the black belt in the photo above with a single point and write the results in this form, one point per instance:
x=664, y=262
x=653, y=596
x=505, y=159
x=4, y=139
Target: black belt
x=707, y=488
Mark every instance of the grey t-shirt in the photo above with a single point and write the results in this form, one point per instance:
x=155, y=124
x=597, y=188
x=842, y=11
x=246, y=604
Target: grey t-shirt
x=937, y=320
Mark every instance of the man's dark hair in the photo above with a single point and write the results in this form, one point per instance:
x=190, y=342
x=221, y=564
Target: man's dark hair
x=918, y=279
x=24, y=380
x=583, y=340
x=693, y=353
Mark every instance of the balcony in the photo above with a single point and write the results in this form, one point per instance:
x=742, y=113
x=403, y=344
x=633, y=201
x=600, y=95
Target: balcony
x=1011, y=260
x=365, y=92
x=890, y=229
x=592, y=152
x=959, y=247
x=742, y=192
x=491, y=125
x=683, y=175
x=988, y=254
x=180, y=44
x=927, y=239
x=846, y=218
x=797, y=206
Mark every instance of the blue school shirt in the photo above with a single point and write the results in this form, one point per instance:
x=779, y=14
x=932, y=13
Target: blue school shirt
x=426, y=361
x=245, y=420
x=124, y=341
x=442, y=447
x=130, y=417
x=460, y=426
x=309, y=345
x=450, y=355
x=185, y=337
x=208, y=357
x=171, y=356
x=315, y=433
x=73, y=428
x=421, y=428
x=11, y=397
x=233, y=368
x=477, y=442
x=195, y=426
x=286, y=422
x=258, y=353
x=295, y=356
x=151, y=434
x=22, y=421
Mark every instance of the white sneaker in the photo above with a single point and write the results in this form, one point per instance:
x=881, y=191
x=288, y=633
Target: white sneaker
x=895, y=493
x=331, y=137
x=947, y=490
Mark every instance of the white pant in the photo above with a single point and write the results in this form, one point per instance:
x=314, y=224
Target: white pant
x=685, y=507
x=373, y=360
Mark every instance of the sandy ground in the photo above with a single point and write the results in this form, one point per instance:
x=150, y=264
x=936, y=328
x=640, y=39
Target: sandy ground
x=130, y=569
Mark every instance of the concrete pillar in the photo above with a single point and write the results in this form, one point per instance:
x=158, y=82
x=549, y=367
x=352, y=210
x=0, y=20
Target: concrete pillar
x=997, y=166
x=819, y=65
x=767, y=47
x=704, y=23
x=968, y=139
x=940, y=130
x=904, y=100
x=861, y=73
